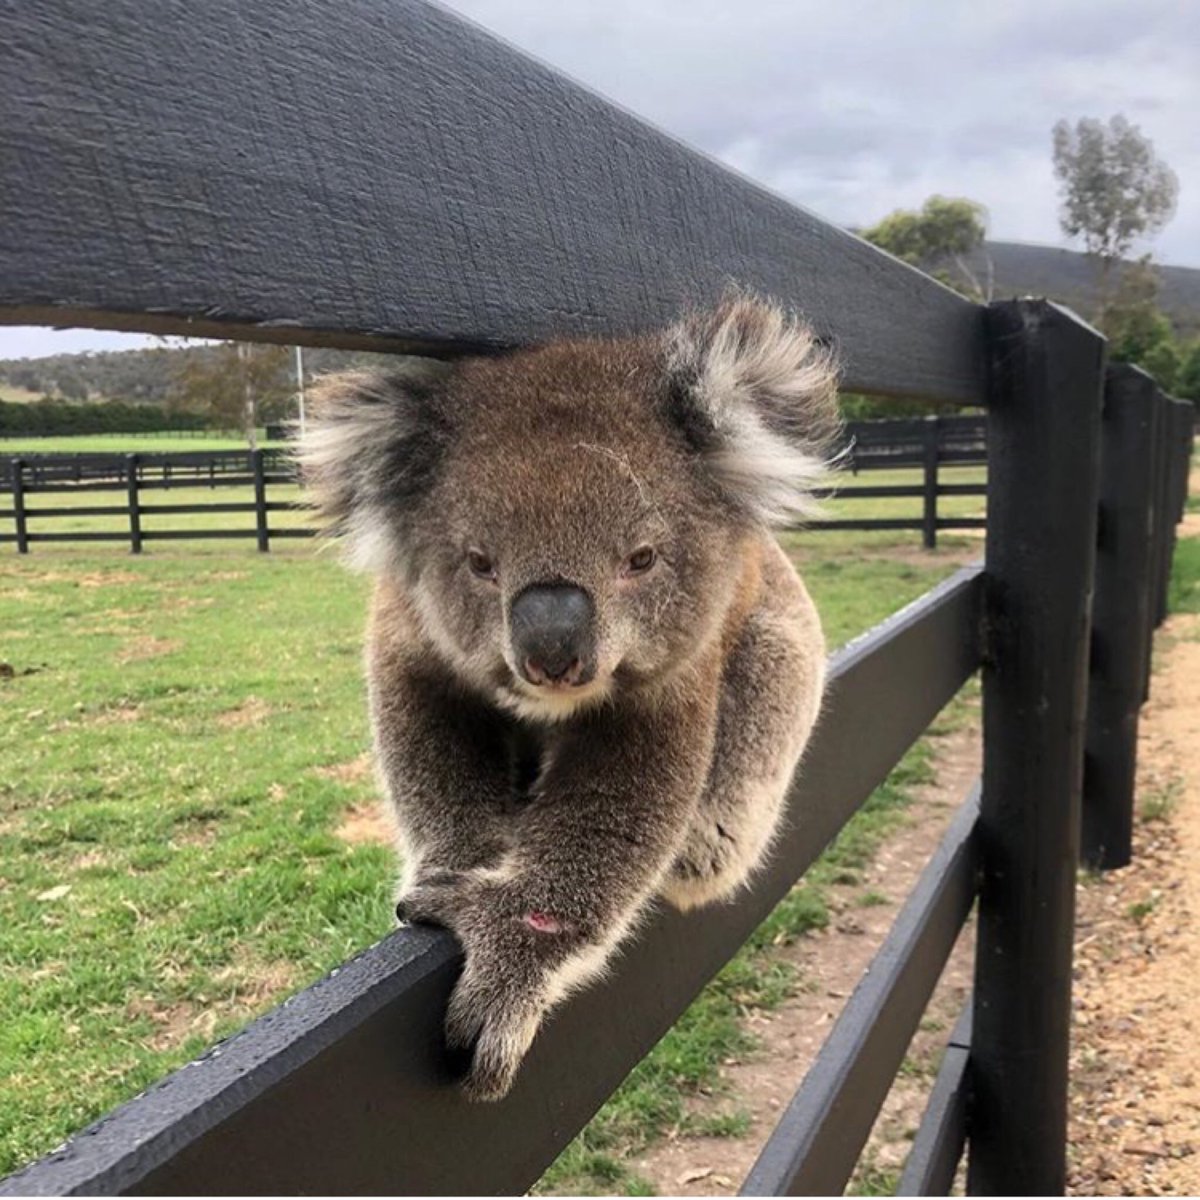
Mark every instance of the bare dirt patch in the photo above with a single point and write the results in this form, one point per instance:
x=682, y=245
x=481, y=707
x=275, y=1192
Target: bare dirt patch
x=831, y=962
x=251, y=985
x=141, y=648
x=173, y=1023
x=354, y=770
x=367, y=824
x=370, y=822
x=916, y=556
x=117, y=714
x=244, y=989
x=1135, y=1097
x=252, y=711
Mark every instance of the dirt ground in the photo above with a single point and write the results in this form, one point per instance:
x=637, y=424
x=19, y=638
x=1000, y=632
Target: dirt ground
x=1135, y=1108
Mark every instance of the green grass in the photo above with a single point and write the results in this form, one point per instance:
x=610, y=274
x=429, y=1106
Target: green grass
x=1159, y=804
x=1184, y=594
x=120, y=443
x=169, y=864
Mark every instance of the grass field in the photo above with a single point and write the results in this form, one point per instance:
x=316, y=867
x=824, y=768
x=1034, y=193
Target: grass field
x=183, y=736
x=121, y=443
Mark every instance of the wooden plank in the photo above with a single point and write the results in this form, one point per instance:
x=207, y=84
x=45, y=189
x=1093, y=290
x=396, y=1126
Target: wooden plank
x=150, y=510
x=135, y=520
x=814, y=1148
x=20, y=515
x=92, y=510
x=1043, y=479
x=382, y=174
x=867, y=523
x=1120, y=618
x=344, y=1089
x=938, y=1147
x=930, y=508
x=872, y=490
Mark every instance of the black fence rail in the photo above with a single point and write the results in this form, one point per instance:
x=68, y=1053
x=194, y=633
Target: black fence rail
x=930, y=445
x=146, y=474
x=345, y=1088
x=172, y=466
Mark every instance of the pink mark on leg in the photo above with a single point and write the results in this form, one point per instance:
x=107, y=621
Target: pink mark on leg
x=542, y=922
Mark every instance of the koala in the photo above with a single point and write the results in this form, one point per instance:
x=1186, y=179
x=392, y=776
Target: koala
x=591, y=669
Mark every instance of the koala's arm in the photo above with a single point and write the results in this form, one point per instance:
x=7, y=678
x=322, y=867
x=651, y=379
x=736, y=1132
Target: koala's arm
x=611, y=810
x=445, y=757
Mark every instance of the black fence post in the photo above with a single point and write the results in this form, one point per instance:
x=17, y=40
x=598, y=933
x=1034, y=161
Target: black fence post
x=1046, y=379
x=1120, y=617
x=932, y=437
x=20, y=520
x=1157, y=434
x=260, y=500
x=1162, y=562
x=135, y=512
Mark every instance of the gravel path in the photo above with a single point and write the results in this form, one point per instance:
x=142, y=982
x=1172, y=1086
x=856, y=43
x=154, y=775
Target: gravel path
x=1135, y=1101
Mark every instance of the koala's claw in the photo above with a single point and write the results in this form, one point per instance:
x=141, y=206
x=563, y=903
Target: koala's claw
x=497, y=1028
x=432, y=901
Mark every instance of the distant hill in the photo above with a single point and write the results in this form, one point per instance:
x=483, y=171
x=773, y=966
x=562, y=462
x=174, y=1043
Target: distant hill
x=1068, y=276
x=128, y=376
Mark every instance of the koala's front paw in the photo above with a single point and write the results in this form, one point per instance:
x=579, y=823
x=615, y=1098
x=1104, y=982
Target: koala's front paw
x=431, y=899
x=494, y=1014
x=514, y=944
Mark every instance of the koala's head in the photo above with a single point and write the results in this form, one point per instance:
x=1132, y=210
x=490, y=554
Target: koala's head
x=570, y=521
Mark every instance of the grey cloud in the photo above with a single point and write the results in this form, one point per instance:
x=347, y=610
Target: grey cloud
x=861, y=104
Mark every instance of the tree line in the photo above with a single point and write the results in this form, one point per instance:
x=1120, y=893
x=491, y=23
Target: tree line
x=1115, y=191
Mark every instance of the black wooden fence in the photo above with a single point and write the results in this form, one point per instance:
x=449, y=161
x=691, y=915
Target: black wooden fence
x=381, y=174
x=928, y=445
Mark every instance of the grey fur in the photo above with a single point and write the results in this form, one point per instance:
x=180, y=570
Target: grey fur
x=541, y=824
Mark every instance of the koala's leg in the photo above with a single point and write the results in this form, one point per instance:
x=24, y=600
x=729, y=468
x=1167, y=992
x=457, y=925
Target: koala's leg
x=770, y=696
x=607, y=817
x=446, y=760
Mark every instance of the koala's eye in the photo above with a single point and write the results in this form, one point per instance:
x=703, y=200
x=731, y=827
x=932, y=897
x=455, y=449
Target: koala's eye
x=640, y=561
x=481, y=565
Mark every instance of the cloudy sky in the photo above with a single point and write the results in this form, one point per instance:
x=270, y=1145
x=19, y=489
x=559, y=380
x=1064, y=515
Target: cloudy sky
x=856, y=107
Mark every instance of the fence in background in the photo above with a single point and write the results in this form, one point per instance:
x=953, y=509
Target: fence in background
x=19, y=436
x=928, y=445
x=512, y=205
x=133, y=477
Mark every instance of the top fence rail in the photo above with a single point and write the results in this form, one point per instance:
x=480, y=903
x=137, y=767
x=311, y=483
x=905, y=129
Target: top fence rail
x=382, y=174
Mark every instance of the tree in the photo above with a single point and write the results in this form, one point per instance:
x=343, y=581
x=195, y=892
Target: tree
x=1187, y=379
x=1114, y=189
x=944, y=231
x=238, y=384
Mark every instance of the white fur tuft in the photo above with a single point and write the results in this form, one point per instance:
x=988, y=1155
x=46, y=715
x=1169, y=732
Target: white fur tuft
x=348, y=462
x=768, y=389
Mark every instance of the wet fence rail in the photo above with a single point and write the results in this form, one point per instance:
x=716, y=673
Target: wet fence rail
x=29, y=483
x=511, y=205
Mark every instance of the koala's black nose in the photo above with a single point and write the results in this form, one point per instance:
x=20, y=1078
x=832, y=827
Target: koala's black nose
x=553, y=634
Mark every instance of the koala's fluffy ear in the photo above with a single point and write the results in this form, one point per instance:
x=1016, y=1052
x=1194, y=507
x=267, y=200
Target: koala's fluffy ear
x=756, y=395
x=370, y=449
